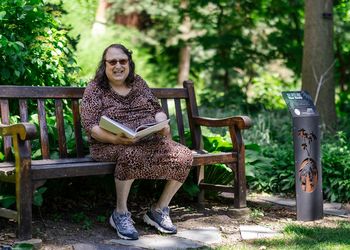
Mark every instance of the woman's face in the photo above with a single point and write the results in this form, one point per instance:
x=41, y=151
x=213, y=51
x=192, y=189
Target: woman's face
x=117, y=66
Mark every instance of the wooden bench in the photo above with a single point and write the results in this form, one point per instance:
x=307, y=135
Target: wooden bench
x=28, y=174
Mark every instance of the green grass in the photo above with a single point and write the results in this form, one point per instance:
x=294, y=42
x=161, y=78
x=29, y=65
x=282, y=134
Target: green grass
x=300, y=237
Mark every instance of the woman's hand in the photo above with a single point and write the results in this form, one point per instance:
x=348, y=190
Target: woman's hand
x=122, y=139
x=165, y=131
x=161, y=116
x=104, y=136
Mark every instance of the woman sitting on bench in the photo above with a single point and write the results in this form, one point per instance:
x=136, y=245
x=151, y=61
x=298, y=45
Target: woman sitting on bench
x=118, y=93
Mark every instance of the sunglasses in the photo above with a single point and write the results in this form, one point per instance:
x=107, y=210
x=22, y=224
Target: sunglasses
x=114, y=62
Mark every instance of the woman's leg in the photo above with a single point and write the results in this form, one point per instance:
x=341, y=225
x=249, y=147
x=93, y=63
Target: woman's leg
x=170, y=189
x=120, y=219
x=158, y=215
x=122, y=191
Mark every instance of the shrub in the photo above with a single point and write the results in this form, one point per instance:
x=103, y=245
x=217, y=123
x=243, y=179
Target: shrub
x=336, y=169
x=35, y=47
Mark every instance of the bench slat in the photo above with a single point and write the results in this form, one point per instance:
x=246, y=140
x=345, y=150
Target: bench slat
x=179, y=121
x=38, y=92
x=170, y=93
x=77, y=128
x=44, y=138
x=216, y=187
x=8, y=213
x=5, y=119
x=164, y=103
x=61, y=161
x=206, y=159
x=73, y=167
x=7, y=168
x=23, y=110
x=23, y=113
x=44, y=172
x=7, y=171
x=60, y=128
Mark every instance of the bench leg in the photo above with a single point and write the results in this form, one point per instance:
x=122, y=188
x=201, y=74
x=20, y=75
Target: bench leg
x=240, y=188
x=24, y=194
x=199, y=178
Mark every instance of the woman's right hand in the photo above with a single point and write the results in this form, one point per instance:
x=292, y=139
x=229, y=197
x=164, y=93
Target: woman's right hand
x=104, y=136
x=122, y=139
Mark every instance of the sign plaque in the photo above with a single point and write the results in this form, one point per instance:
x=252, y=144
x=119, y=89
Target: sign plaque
x=299, y=103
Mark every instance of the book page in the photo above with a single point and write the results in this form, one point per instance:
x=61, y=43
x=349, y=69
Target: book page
x=116, y=127
x=143, y=130
x=152, y=129
x=143, y=126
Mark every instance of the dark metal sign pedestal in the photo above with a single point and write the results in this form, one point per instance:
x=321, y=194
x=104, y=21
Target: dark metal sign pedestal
x=308, y=170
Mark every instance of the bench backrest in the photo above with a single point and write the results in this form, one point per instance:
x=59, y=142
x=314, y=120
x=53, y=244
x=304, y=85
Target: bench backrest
x=57, y=101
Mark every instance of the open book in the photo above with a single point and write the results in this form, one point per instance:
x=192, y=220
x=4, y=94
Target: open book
x=141, y=131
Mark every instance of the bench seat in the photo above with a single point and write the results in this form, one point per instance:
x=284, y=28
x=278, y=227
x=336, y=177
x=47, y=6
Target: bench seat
x=86, y=166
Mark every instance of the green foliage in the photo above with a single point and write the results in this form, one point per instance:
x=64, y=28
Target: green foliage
x=101, y=218
x=190, y=187
x=274, y=174
x=222, y=174
x=233, y=99
x=256, y=214
x=53, y=135
x=336, y=168
x=343, y=105
x=341, y=17
x=35, y=47
x=38, y=196
x=284, y=30
x=83, y=219
x=22, y=246
x=269, y=86
x=7, y=200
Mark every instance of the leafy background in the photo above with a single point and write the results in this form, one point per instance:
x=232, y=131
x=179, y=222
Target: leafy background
x=238, y=66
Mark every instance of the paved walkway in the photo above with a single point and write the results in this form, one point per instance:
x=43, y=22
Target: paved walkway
x=328, y=208
x=184, y=239
x=207, y=236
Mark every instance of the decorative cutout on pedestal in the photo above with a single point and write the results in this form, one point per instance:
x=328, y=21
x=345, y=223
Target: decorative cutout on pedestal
x=307, y=173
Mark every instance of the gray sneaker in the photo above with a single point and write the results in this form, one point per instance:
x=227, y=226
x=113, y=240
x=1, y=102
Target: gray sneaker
x=124, y=225
x=160, y=219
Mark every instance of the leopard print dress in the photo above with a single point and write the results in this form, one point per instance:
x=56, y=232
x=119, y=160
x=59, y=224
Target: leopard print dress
x=156, y=157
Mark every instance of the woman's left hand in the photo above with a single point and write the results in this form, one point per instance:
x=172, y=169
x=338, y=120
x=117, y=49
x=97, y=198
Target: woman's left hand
x=165, y=131
x=161, y=116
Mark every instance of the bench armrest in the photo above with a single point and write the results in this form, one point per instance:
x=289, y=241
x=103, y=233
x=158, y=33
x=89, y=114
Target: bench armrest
x=25, y=130
x=241, y=122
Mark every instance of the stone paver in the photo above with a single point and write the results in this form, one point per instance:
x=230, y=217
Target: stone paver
x=328, y=208
x=36, y=243
x=207, y=235
x=184, y=239
x=158, y=242
x=250, y=232
x=83, y=246
x=279, y=201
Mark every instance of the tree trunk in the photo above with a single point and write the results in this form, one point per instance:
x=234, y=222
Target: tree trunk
x=99, y=26
x=184, y=64
x=318, y=58
x=185, y=50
